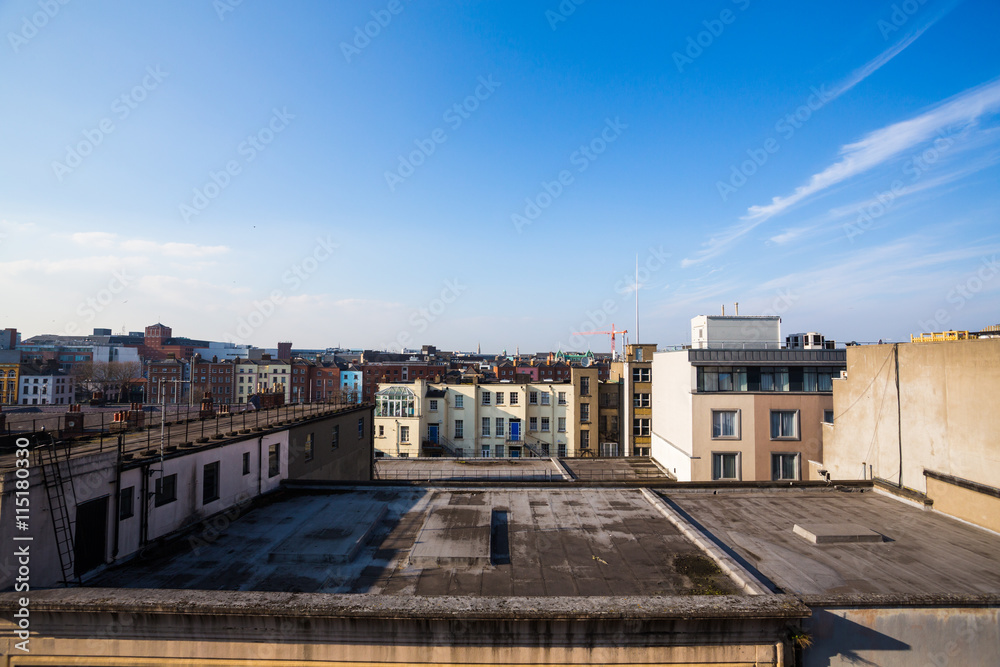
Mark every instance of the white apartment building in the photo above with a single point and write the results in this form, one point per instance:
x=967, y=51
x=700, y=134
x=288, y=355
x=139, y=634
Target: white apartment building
x=501, y=419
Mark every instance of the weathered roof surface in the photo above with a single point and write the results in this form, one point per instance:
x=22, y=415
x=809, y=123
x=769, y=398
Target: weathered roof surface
x=562, y=542
x=923, y=552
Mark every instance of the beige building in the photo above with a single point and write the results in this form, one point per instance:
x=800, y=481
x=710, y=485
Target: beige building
x=635, y=375
x=921, y=416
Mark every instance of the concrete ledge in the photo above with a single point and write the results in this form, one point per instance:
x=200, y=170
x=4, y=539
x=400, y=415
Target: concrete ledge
x=164, y=601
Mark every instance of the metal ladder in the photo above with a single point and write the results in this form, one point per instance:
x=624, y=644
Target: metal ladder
x=48, y=459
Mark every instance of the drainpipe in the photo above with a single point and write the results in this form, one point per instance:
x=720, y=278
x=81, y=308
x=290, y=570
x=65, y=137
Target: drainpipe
x=118, y=497
x=899, y=414
x=260, y=463
x=144, y=508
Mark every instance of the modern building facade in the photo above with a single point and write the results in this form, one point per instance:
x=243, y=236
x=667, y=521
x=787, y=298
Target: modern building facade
x=742, y=413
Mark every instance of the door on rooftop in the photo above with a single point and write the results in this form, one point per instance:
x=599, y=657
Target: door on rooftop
x=91, y=535
x=432, y=432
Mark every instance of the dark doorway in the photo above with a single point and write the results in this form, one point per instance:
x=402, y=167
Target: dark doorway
x=91, y=535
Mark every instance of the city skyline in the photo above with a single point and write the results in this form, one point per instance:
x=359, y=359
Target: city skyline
x=389, y=174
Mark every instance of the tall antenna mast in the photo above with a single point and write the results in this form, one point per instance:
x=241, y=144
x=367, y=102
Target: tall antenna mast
x=637, y=297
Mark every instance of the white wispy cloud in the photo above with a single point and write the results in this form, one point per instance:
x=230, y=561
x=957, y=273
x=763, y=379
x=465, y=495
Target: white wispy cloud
x=172, y=249
x=881, y=145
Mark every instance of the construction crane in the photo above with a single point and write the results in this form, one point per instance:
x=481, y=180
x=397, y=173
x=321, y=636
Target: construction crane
x=613, y=333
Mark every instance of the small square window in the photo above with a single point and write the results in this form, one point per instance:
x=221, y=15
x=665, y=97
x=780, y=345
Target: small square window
x=210, y=483
x=726, y=465
x=126, y=503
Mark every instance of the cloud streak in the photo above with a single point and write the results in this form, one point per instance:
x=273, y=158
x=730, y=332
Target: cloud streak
x=963, y=110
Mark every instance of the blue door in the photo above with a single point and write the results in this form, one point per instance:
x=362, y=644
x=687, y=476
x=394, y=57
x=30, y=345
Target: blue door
x=432, y=433
x=515, y=430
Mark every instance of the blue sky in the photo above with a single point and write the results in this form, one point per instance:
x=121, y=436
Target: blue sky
x=394, y=173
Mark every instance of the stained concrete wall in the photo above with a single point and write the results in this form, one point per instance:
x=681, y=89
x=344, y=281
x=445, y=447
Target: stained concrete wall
x=105, y=627
x=351, y=458
x=946, y=421
x=966, y=504
x=902, y=636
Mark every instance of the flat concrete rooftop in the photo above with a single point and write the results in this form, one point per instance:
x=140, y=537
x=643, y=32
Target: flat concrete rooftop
x=612, y=469
x=424, y=541
x=471, y=469
x=920, y=552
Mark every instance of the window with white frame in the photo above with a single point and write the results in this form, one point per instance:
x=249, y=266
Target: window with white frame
x=459, y=429
x=532, y=398
x=640, y=400
x=486, y=427
x=513, y=398
x=584, y=439
x=640, y=426
x=726, y=424
x=532, y=423
x=459, y=401
x=725, y=465
x=433, y=403
x=784, y=465
x=584, y=386
x=562, y=398
x=545, y=398
x=500, y=398
x=404, y=433
x=545, y=424
x=485, y=451
x=561, y=424
x=500, y=451
x=561, y=449
x=784, y=424
x=487, y=397
x=585, y=412
x=499, y=427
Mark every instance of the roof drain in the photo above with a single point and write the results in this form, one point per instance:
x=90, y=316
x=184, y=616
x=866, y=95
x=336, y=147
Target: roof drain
x=499, y=541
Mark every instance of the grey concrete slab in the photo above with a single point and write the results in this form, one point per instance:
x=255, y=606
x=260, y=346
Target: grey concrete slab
x=830, y=533
x=453, y=536
x=335, y=535
x=563, y=541
x=924, y=553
